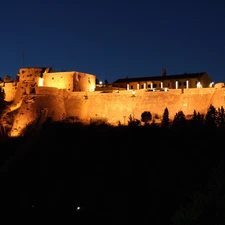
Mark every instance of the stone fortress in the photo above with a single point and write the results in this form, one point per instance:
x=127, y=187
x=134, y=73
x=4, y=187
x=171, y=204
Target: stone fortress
x=42, y=93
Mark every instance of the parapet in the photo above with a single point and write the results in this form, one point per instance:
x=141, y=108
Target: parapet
x=219, y=85
x=32, y=74
x=46, y=91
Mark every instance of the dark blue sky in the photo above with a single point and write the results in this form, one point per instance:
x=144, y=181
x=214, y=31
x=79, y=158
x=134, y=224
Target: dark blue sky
x=114, y=39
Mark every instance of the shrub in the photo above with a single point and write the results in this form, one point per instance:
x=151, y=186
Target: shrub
x=146, y=117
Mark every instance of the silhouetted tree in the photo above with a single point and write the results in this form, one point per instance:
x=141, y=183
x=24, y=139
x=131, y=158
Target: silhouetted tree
x=146, y=117
x=221, y=117
x=165, y=120
x=197, y=119
x=211, y=118
x=194, y=117
x=133, y=121
x=154, y=124
x=179, y=120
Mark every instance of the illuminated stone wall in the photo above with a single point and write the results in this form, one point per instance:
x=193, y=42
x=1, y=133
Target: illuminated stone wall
x=117, y=106
x=71, y=81
x=84, y=82
x=29, y=80
x=31, y=74
x=46, y=91
x=38, y=106
x=114, y=107
x=61, y=80
x=10, y=91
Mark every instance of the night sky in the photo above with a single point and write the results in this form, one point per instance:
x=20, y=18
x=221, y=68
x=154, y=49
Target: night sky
x=114, y=39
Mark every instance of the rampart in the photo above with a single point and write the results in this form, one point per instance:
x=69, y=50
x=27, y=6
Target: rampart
x=119, y=106
x=46, y=91
x=38, y=106
x=71, y=81
x=115, y=106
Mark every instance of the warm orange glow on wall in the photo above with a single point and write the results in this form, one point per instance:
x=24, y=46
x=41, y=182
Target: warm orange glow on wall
x=92, y=88
x=14, y=133
x=18, y=127
x=40, y=82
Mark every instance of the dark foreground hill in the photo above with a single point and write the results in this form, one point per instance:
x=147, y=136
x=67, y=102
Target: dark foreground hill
x=72, y=174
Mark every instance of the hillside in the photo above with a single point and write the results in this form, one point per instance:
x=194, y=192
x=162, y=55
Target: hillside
x=117, y=175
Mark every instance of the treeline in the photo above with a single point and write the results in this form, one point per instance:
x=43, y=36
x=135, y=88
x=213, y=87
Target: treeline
x=214, y=118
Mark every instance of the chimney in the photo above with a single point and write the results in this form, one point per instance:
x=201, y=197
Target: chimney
x=164, y=72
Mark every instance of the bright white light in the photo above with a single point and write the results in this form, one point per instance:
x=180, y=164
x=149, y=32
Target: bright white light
x=41, y=81
x=199, y=85
x=100, y=82
x=78, y=208
x=211, y=84
x=92, y=89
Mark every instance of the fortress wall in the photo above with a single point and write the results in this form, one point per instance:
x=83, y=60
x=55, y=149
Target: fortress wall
x=20, y=91
x=114, y=107
x=71, y=81
x=218, y=98
x=30, y=74
x=175, y=91
x=200, y=98
x=199, y=91
x=10, y=91
x=117, y=106
x=35, y=105
x=76, y=106
x=84, y=82
x=46, y=91
x=61, y=80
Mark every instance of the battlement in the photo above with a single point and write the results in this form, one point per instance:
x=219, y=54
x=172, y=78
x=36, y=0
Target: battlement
x=28, y=79
x=32, y=74
x=46, y=91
